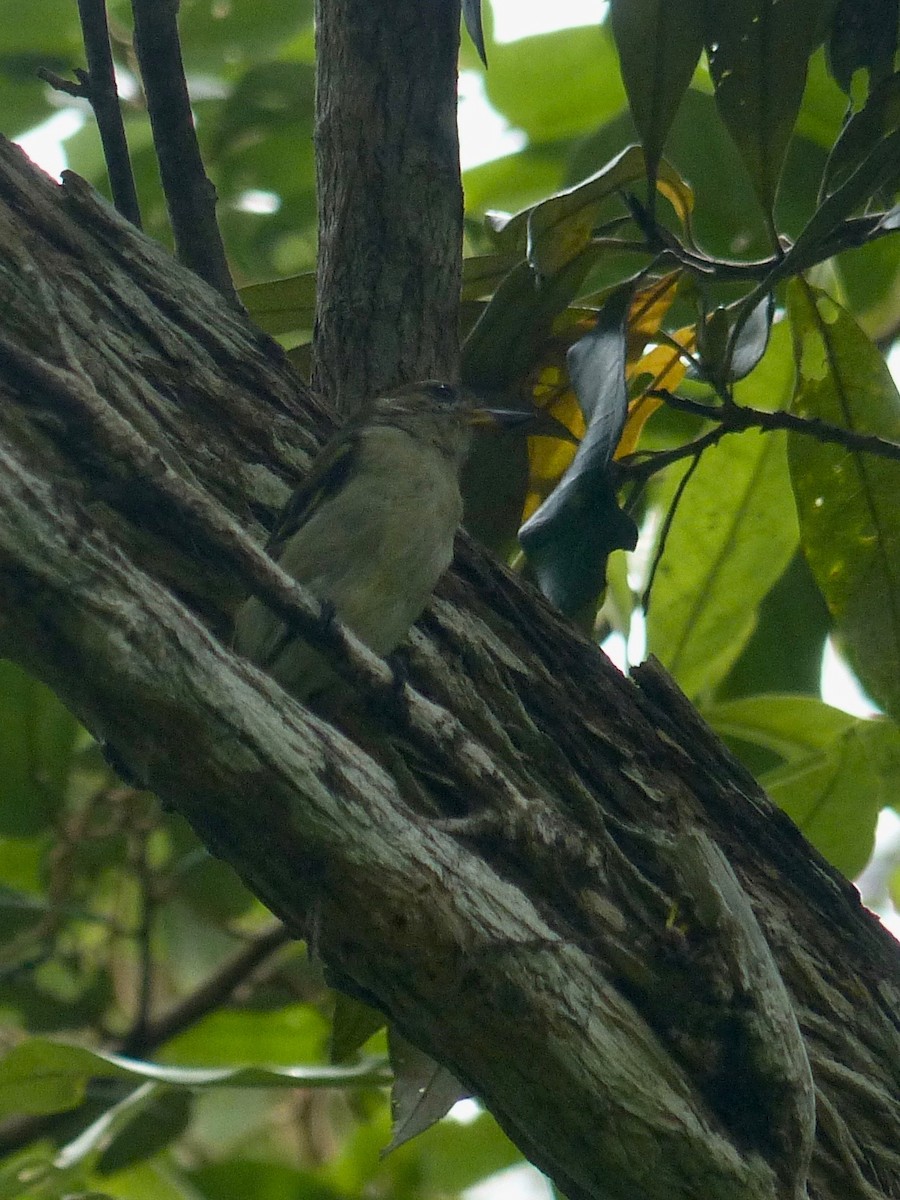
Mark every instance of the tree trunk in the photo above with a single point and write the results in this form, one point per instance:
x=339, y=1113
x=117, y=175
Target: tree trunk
x=567, y=892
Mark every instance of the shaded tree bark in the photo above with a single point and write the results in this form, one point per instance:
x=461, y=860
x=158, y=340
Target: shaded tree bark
x=534, y=902
x=567, y=892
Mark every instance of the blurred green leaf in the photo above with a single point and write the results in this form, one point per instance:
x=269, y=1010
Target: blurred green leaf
x=758, y=52
x=352, y=1024
x=235, y=1178
x=659, y=44
x=556, y=85
x=282, y=305
x=514, y=181
x=457, y=1156
x=846, y=501
x=235, y=1037
x=217, y=37
x=824, y=107
x=37, y=740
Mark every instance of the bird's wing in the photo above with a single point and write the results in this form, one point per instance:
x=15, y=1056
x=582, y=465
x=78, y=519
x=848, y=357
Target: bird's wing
x=329, y=473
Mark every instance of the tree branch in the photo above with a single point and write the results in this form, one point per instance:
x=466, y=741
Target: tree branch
x=100, y=89
x=190, y=195
x=735, y=418
x=525, y=944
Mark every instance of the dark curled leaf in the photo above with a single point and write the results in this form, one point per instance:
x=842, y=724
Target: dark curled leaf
x=570, y=537
x=471, y=10
x=752, y=339
x=863, y=36
x=720, y=361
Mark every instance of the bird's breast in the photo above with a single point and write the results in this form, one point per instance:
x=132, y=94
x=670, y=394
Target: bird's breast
x=386, y=538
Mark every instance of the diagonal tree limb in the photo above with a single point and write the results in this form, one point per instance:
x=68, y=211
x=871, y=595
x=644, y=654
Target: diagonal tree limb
x=532, y=954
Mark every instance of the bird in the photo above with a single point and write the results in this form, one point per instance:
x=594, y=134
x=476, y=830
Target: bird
x=371, y=529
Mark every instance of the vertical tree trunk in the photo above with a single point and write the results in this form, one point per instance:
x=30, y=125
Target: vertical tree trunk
x=390, y=196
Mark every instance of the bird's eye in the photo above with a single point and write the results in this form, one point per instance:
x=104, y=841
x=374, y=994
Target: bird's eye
x=443, y=393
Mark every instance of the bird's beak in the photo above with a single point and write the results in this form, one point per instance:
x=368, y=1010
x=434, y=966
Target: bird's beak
x=499, y=418
x=534, y=423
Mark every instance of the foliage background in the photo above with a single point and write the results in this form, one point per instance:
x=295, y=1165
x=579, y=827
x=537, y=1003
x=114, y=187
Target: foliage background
x=112, y=914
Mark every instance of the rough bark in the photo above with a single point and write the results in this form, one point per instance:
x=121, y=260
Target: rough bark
x=390, y=221
x=532, y=890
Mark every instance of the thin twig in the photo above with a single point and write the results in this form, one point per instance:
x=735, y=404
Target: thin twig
x=667, y=527
x=640, y=466
x=144, y=935
x=101, y=91
x=209, y=996
x=737, y=417
x=190, y=195
x=79, y=89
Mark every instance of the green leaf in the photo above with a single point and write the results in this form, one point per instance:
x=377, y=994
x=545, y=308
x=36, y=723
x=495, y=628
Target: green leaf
x=732, y=536
x=659, y=44
x=792, y=614
x=482, y=274
x=235, y=1037
x=847, y=501
x=506, y=339
x=569, y=538
x=514, y=181
x=456, y=1156
x=560, y=227
x=42, y=1077
x=793, y=727
x=824, y=108
x=834, y=797
x=556, y=85
x=37, y=741
x=838, y=771
x=863, y=137
x=758, y=52
x=282, y=305
x=214, y=37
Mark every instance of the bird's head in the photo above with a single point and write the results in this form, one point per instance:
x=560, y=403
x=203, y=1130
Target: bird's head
x=443, y=413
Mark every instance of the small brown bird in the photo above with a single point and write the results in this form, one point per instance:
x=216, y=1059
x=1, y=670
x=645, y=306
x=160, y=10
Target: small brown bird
x=370, y=532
